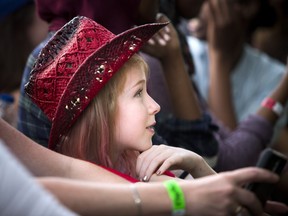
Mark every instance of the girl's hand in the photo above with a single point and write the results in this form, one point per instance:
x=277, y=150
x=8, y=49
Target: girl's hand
x=160, y=158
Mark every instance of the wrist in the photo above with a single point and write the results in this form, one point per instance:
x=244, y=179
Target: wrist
x=177, y=197
x=226, y=61
x=137, y=199
x=151, y=204
x=273, y=105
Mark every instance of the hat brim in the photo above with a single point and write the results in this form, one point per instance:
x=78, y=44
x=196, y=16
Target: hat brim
x=94, y=73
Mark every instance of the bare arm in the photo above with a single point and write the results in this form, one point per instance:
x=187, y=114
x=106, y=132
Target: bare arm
x=201, y=199
x=97, y=199
x=225, y=39
x=224, y=54
x=184, y=101
x=280, y=94
x=44, y=162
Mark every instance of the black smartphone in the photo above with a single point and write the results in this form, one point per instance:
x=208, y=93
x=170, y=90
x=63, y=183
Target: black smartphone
x=274, y=161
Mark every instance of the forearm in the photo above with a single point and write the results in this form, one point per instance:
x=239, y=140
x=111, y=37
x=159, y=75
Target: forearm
x=280, y=94
x=220, y=92
x=242, y=147
x=97, y=199
x=35, y=157
x=184, y=100
x=44, y=162
x=226, y=39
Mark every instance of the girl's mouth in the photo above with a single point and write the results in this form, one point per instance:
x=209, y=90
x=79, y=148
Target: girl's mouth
x=151, y=127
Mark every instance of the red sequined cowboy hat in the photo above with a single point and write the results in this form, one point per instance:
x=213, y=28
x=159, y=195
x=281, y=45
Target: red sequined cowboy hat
x=75, y=64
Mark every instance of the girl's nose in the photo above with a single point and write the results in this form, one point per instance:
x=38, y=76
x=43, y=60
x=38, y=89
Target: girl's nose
x=154, y=107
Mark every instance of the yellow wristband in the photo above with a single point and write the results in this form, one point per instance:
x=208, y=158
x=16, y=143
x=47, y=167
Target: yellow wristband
x=176, y=196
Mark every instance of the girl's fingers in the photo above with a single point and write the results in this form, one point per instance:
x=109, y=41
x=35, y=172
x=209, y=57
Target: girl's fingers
x=155, y=158
x=145, y=159
x=166, y=165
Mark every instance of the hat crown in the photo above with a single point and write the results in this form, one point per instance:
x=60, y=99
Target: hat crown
x=61, y=58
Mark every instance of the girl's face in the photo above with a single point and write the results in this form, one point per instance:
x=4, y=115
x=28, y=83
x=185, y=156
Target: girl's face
x=135, y=118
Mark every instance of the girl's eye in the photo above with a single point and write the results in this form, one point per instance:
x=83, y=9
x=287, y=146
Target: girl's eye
x=139, y=93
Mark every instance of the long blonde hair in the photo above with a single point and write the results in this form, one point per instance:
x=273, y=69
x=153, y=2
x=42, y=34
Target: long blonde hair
x=92, y=135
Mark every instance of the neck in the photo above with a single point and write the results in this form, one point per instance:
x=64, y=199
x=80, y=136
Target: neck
x=125, y=162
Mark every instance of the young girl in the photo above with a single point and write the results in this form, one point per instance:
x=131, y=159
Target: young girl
x=92, y=85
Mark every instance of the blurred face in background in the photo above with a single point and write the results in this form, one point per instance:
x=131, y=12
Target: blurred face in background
x=38, y=29
x=246, y=9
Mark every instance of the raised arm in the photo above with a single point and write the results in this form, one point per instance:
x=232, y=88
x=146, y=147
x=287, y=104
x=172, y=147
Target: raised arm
x=184, y=101
x=280, y=95
x=188, y=127
x=225, y=39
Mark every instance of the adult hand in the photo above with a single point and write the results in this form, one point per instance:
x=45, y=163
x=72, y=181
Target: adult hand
x=225, y=31
x=161, y=158
x=273, y=208
x=197, y=28
x=222, y=194
x=165, y=42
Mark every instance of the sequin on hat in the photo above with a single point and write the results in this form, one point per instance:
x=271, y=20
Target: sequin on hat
x=75, y=65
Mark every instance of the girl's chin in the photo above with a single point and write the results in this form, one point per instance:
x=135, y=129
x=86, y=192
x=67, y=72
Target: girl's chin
x=146, y=147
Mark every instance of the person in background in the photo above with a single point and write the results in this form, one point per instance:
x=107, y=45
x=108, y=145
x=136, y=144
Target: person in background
x=236, y=148
x=233, y=67
x=273, y=40
x=235, y=26
x=184, y=124
x=227, y=33
x=21, y=30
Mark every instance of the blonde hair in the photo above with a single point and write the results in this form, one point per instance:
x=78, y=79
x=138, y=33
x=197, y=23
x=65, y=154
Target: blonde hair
x=92, y=135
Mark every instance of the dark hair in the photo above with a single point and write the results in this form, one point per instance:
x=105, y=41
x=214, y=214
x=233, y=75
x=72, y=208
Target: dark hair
x=15, y=46
x=266, y=16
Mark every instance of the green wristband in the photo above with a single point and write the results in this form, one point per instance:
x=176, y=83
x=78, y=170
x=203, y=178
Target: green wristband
x=177, y=197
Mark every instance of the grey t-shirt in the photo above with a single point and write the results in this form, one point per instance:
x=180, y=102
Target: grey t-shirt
x=20, y=194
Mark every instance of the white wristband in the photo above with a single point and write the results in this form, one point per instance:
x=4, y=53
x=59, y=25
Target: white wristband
x=273, y=105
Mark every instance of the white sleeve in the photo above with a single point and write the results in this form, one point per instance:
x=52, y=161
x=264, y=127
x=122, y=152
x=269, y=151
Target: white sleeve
x=20, y=194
